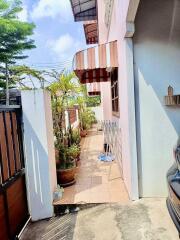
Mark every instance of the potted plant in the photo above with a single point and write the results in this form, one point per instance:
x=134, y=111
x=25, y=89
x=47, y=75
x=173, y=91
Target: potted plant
x=61, y=92
x=87, y=118
x=84, y=119
x=74, y=152
x=76, y=138
x=66, y=167
x=83, y=132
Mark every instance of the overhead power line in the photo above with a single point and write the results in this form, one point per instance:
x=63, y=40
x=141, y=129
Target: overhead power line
x=51, y=63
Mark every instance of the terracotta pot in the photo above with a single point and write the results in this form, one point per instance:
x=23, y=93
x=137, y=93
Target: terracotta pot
x=83, y=133
x=65, y=177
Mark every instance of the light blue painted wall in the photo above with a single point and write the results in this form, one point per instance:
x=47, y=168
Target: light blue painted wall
x=156, y=66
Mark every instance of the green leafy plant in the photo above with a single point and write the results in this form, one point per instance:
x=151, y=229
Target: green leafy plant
x=92, y=117
x=73, y=151
x=66, y=91
x=87, y=119
x=76, y=136
x=93, y=101
x=62, y=90
x=66, y=156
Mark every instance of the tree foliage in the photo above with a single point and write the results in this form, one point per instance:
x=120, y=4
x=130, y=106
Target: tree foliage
x=93, y=101
x=14, y=39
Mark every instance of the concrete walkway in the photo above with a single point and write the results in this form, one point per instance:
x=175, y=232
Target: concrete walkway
x=146, y=219
x=96, y=182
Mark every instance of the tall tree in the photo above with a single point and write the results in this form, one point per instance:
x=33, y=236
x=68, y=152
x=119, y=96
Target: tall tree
x=14, y=37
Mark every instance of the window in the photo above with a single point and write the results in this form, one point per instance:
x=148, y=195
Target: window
x=115, y=92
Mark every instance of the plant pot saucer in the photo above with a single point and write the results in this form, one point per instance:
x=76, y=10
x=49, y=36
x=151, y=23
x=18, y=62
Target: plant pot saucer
x=68, y=184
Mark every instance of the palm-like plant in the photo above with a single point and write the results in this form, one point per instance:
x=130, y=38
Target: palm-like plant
x=62, y=89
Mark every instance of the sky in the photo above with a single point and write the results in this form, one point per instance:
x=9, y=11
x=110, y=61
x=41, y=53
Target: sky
x=57, y=36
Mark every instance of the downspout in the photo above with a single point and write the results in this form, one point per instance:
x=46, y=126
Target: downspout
x=130, y=30
x=132, y=118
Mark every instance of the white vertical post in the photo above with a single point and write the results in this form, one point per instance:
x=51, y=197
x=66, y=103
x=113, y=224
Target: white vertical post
x=67, y=119
x=77, y=116
x=39, y=152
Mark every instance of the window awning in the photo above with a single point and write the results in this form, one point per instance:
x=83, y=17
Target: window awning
x=93, y=89
x=84, y=10
x=94, y=64
x=91, y=32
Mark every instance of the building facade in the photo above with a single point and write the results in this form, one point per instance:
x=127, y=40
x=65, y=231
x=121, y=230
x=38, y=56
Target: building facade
x=136, y=59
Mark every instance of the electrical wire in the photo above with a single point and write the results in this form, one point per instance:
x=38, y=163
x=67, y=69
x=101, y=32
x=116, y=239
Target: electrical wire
x=67, y=60
x=54, y=65
x=50, y=63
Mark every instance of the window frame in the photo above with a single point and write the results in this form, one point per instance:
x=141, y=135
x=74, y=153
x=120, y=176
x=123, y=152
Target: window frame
x=115, y=92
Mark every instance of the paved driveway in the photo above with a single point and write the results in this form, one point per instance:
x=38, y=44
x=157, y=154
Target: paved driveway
x=146, y=219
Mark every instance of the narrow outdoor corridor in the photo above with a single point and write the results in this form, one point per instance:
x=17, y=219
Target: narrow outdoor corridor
x=96, y=181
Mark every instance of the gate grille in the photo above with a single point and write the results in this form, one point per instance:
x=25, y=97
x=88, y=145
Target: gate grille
x=112, y=138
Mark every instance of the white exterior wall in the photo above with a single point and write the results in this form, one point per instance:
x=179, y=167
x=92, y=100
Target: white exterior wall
x=39, y=153
x=157, y=65
x=91, y=87
x=155, y=53
x=126, y=121
x=102, y=112
x=98, y=113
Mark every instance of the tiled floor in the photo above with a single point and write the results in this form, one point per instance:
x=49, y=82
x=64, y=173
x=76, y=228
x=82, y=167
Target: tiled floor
x=96, y=182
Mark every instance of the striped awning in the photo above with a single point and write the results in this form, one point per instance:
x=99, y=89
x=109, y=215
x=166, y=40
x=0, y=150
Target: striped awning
x=94, y=64
x=91, y=32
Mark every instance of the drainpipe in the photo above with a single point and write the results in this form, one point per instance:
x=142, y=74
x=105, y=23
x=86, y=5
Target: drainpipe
x=132, y=110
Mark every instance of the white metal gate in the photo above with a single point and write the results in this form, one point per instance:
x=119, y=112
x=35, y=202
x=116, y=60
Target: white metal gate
x=113, y=141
